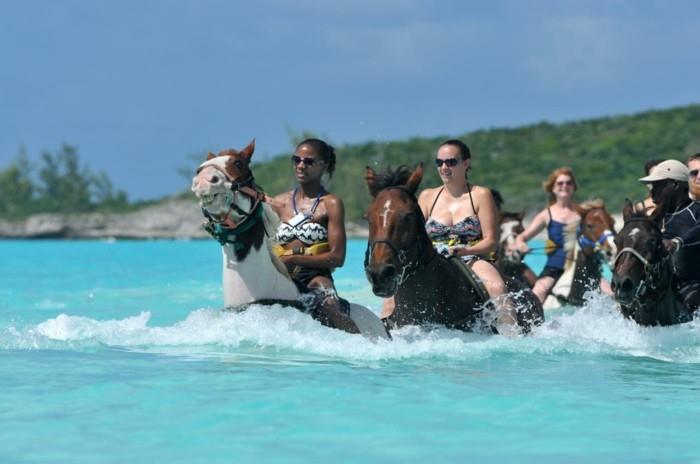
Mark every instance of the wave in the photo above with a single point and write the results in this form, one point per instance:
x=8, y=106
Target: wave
x=596, y=329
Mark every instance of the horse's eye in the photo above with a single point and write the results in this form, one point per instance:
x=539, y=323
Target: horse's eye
x=238, y=164
x=407, y=218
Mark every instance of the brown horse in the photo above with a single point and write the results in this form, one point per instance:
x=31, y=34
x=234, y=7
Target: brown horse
x=643, y=274
x=400, y=261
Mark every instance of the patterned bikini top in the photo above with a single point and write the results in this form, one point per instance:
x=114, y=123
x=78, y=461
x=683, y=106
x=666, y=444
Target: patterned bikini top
x=306, y=231
x=465, y=231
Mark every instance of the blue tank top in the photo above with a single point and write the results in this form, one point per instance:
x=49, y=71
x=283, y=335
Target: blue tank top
x=556, y=254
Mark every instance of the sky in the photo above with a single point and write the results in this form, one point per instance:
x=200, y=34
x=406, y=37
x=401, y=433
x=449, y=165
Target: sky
x=140, y=86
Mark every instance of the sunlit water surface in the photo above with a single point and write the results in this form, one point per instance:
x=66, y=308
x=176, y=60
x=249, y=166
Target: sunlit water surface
x=117, y=352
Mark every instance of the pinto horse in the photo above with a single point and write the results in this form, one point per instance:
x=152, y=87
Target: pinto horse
x=241, y=221
x=643, y=273
x=511, y=263
x=400, y=261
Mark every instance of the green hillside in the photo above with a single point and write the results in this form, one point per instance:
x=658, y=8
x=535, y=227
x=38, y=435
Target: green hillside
x=607, y=155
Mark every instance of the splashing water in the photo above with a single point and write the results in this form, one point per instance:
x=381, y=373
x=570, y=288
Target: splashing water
x=135, y=363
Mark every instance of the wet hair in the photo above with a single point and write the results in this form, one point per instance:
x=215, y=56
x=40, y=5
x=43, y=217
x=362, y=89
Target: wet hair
x=463, y=148
x=497, y=198
x=324, y=150
x=694, y=157
x=650, y=164
x=548, y=185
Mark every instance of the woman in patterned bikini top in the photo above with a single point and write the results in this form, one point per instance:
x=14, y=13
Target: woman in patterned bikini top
x=461, y=219
x=312, y=232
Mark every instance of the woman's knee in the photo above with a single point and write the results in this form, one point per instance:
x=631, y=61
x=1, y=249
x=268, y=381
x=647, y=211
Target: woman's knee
x=491, y=278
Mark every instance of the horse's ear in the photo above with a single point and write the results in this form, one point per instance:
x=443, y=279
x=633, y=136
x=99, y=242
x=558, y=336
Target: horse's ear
x=371, y=179
x=210, y=156
x=415, y=178
x=247, y=152
x=627, y=210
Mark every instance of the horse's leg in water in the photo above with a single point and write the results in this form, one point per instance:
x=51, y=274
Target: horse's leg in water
x=329, y=309
x=496, y=289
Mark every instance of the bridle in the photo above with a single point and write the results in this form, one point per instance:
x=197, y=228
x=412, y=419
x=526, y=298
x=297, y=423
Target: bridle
x=221, y=227
x=595, y=245
x=409, y=266
x=653, y=267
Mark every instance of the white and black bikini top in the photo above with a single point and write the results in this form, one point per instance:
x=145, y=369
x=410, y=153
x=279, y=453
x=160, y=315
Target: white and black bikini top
x=301, y=227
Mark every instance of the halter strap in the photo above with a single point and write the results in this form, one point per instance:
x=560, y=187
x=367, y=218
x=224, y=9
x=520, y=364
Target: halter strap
x=634, y=253
x=313, y=207
x=471, y=200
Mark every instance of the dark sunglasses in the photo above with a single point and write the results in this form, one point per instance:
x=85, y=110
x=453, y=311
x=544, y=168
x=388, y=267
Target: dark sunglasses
x=694, y=173
x=299, y=159
x=451, y=162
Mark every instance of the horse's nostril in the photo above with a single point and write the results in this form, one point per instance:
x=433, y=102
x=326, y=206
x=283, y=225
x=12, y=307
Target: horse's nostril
x=214, y=179
x=389, y=272
x=626, y=285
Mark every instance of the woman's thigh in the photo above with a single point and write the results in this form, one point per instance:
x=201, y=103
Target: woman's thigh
x=490, y=277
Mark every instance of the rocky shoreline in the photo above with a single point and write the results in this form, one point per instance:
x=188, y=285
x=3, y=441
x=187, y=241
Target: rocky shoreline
x=173, y=219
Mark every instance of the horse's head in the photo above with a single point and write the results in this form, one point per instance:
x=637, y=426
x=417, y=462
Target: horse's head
x=596, y=231
x=397, y=238
x=511, y=227
x=640, y=248
x=225, y=187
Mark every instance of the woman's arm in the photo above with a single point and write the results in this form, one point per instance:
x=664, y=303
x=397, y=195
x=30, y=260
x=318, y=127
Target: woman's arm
x=335, y=257
x=539, y=222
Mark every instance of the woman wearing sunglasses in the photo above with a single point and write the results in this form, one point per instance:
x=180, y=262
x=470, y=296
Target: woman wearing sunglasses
x=462, y=220
x=312, y=232
x=561, y=215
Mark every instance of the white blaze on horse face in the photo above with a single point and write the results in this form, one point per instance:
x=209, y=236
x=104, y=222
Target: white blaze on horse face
x=386, y=210
x=212, y=187
x=634, y=232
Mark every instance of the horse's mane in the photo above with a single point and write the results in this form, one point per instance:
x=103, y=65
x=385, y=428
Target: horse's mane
x=392, y=177
x=591, y=204
x=571, y=239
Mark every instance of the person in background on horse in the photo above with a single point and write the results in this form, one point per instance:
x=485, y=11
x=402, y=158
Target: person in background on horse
x=681, y=237
x=648, y=203
x=561, y=213
x=462, y=220
x=312, y=232
x=668, y=187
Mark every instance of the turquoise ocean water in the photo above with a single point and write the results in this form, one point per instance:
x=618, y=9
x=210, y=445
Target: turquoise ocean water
x=117, y=352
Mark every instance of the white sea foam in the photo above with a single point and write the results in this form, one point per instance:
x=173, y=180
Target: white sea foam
x=596, y=328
